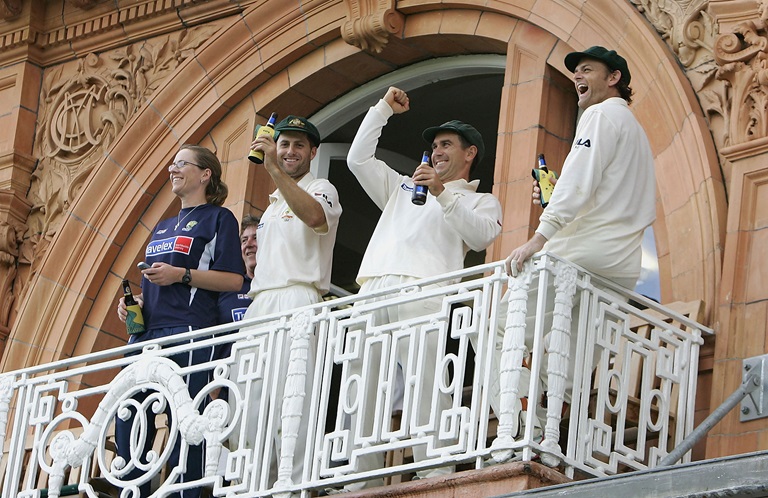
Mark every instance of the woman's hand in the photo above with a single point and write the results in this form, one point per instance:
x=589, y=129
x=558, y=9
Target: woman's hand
x=122, y=312
x=163, y=274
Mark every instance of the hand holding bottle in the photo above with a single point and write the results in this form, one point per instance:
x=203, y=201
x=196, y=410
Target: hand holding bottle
x=257, y=153
x=427, y=176
x=419, y=196
x=536, y=195
x=129, y=310
x=544, y=182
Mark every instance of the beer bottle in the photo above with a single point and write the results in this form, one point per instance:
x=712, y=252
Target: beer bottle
x=419, y=196
x=543, y=177
x=257, y=156
x=135, y=320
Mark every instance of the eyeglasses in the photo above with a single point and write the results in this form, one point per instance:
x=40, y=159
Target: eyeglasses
x=180, y=164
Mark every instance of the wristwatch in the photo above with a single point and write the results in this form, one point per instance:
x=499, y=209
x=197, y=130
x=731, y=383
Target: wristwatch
x=187, y=278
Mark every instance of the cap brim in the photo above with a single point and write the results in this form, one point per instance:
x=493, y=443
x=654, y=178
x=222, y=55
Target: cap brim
x=572, y=60
x=429, y=133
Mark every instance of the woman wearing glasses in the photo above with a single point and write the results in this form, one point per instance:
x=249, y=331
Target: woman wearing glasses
x=192, y=257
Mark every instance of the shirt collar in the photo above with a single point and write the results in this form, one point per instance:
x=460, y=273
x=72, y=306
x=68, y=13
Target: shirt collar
x=461, y=183
x=303, y=183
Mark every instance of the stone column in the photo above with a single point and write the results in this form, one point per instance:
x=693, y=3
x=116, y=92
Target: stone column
x=538, y=115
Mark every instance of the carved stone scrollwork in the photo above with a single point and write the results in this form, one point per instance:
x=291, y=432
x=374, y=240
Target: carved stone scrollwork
x=370, y=22
x=10, y=8
x=684, y=25
x=742, y=58
x=9, y=253
x=689, y=31
x=729, y=72
x=84, y=107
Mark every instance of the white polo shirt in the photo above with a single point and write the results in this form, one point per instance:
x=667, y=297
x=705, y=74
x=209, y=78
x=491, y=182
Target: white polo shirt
x=290, y=252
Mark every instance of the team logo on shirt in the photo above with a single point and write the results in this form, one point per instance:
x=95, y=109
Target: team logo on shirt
x=287, y=215
x=189, y=226
x=583, y=142
x=238, y=313
x=405, y=187
x=325, y=198
x=180, y=244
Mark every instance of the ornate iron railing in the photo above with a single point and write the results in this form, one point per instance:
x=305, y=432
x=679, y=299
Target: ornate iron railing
x=57, y=420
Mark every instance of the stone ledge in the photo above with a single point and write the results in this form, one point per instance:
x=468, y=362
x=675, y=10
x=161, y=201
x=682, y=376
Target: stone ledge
x=483, y=483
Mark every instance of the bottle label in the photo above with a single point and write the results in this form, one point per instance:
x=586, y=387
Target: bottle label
x=135, y=320
x=257, y=156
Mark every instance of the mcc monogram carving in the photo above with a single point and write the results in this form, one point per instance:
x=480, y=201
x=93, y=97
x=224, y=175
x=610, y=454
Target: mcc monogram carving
x=82, y=112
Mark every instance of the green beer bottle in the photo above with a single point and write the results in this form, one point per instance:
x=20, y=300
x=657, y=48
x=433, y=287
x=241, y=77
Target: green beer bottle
x=135, y=320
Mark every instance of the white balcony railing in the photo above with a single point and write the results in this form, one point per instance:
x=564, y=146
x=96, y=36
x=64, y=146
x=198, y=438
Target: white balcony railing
x=57, y=420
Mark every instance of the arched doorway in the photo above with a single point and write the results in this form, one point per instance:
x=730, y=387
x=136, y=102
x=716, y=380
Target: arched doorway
x=212, y=100
x=465, y=87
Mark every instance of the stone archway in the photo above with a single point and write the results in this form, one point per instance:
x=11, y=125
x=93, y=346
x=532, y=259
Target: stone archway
x=298, y=58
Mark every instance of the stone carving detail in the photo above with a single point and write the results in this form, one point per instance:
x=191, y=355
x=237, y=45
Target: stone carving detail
x=684, y=25
x=9, y=252
x=729, y=72
x=10, y=8
x=689, y=31
x=370, y=22
x=82, y=112
x=742, y=101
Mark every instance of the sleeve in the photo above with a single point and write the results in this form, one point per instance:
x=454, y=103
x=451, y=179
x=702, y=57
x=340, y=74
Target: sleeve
x=377, y=179
x=593, y=149
x=478, y=224
x=327, y=196
x=227, y=255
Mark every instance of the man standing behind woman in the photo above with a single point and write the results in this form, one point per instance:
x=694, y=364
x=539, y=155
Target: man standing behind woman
x=192, y=256
x=295, y=251
x=411, y=242
x=232, y=305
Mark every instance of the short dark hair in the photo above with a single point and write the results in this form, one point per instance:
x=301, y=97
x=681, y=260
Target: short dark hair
x=465, y=144
x=249, y=220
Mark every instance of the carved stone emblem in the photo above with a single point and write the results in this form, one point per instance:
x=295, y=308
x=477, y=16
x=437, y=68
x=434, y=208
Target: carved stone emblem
x=370, y=22
x=84, y=107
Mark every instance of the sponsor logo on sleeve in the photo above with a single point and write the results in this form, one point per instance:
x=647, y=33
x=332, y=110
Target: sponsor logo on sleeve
x=324, y=197
x=180, y=244
x=583, y=142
